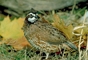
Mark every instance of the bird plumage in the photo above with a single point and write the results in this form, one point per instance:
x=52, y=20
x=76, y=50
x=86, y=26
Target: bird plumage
x=44, y=36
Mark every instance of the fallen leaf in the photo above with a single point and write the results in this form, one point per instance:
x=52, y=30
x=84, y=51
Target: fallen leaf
x=12, y=33
x=19, y=43
x=11, y=29
x=58, y=23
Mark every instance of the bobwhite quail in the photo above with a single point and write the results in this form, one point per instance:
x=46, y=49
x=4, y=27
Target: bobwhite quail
x=44, y=36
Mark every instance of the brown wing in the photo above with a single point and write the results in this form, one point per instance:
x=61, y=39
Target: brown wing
x=45, y=32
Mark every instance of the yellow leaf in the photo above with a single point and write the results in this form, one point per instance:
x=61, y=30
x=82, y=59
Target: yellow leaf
x=58, y=23
x=11, y=29
x=20, y=21
x=19, y=43
x=12, y=33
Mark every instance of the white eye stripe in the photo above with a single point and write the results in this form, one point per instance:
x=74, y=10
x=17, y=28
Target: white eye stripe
x=31, y=14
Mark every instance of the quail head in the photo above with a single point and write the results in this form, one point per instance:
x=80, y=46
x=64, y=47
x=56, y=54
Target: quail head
x=44, y=36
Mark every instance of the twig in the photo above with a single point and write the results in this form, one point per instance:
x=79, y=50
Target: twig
x=25, y=54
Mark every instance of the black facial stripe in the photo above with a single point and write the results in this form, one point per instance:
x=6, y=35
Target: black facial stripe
x=31, y=16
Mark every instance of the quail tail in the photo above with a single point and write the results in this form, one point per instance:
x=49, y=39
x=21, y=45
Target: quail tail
x=71, y=45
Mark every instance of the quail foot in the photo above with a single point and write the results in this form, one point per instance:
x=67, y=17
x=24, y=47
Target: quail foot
x=44, y=36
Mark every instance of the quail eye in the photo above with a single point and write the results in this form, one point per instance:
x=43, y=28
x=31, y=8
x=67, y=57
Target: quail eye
x=31, y=16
